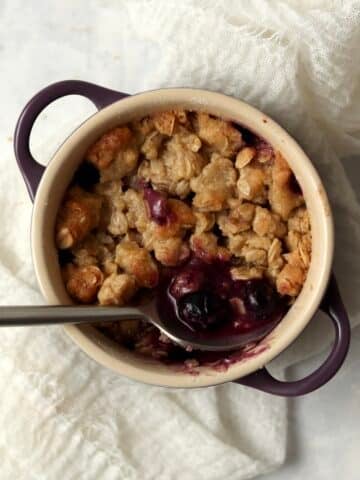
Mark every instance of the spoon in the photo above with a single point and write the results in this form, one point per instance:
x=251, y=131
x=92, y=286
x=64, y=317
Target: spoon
x=59, y=314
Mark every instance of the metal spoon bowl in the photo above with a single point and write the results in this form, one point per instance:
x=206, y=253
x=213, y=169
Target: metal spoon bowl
x=22, y=316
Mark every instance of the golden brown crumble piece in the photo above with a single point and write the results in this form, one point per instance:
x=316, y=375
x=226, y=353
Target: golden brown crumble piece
x=299, y=249
x=252, y=183
x=124, y=163
x=182, y=212
x=205, y=246
x=182, y=218
x=292, y=240
x=83, y=283
x=301, y=244
x=152, y=144
x=181, y=116
x=268, y=223
x=85, y=254
x=290, y=280
x=305, y=249
x=190, y=140
x=215, y=185
x=298, y=242
x=204, y=221
x=113, y=218
x=109, y=266
x=275, y=259
x=238, y=219
x=138, y=262
x=141, y=129
x=247, y=239
x=112, y=188
x=282, y=198
x=245, y=156
x=254, y=256
x=219, y=134
x=106, y=149
x=78, y=216
x=245, y=272
x=299, y=257
x=264, y=155
x=299, y=221
x=117, y=289
x=94, y=250
x=171, y=252
x=250, y=247
x=137, y=214
x=178, y=162
x=165, y=122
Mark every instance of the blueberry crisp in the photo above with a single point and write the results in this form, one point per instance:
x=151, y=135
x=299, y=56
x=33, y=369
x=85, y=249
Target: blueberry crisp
x=194, y=209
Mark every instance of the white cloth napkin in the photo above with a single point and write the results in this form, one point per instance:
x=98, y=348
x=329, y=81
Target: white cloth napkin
x=62, y=415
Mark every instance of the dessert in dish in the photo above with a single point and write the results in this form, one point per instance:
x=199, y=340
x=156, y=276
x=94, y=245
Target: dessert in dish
x=191, y=208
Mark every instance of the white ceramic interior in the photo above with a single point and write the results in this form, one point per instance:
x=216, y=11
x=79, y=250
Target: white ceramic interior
x=59, y=173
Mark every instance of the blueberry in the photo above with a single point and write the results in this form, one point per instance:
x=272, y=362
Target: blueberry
x=158, y=206
x=65, y=256
x=86, y=176
x=187, y=281
x=261, y=299
x=203, y=310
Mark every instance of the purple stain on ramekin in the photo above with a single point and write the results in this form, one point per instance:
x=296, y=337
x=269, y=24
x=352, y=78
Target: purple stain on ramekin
x=217, y=361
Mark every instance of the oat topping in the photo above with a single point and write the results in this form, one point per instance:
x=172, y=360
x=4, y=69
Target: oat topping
x=83, y=283
x=109, y=147
x=78, y=216
x=220, y=135
x=173, y=186
x=117, y=289
x=214, y=185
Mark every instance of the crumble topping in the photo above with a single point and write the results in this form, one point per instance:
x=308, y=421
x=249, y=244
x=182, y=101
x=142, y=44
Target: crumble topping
x=170, y=187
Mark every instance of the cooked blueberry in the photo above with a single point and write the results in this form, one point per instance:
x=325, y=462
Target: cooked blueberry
x=65, y=256
x=86, y=176
x=202, y=310
x=260, y=298
x=159, y=208
x=187, y=281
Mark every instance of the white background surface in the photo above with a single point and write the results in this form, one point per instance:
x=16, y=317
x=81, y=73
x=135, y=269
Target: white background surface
x=324, y=434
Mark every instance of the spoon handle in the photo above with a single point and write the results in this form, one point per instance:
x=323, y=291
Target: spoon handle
x=53, y=315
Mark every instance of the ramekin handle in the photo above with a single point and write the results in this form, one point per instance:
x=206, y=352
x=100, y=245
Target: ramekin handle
x=31, y=170
x=333, y=306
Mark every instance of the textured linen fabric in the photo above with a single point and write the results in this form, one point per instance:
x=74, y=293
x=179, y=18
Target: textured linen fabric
x=64, y=416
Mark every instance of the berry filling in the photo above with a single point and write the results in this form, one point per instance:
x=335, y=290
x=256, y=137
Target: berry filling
x=203, y=310
x=158, y=206
x=204, y=297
